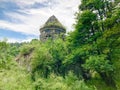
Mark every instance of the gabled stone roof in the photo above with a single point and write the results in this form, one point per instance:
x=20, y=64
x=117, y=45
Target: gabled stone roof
x=53, y=22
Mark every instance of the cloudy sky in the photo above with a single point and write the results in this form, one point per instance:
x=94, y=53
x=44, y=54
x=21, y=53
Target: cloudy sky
x=20, y=20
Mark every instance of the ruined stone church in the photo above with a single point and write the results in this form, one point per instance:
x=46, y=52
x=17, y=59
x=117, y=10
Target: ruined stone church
x=52, y=29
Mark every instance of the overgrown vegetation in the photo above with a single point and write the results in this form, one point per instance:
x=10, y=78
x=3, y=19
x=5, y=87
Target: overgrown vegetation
x=88, y=58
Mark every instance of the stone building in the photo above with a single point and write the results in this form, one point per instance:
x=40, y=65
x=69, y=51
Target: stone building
x=52, y=29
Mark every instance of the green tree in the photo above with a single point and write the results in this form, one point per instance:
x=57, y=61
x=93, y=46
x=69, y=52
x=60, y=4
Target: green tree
x=41, y=62
x=58, y=50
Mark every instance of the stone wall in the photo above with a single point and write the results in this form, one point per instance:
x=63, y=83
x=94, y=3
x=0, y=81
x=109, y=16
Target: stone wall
x=52, y=29
x=51, y=33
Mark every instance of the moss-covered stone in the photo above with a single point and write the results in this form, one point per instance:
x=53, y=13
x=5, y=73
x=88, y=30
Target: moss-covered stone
x=51, y=29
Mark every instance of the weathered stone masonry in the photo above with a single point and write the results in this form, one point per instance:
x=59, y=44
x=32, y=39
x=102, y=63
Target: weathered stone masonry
x=52, y=29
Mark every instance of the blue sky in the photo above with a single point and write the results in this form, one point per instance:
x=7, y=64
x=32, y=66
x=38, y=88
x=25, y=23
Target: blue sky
x=20, y=20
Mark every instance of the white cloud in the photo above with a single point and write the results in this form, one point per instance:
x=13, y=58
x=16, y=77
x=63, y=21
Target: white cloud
x=14, y=40
x=29, y=2
x=64, y=10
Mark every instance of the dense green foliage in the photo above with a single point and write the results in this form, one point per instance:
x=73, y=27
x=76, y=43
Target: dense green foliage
x=87, y=59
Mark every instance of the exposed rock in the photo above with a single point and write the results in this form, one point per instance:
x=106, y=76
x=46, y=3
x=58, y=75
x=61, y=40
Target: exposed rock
x=25, y=59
